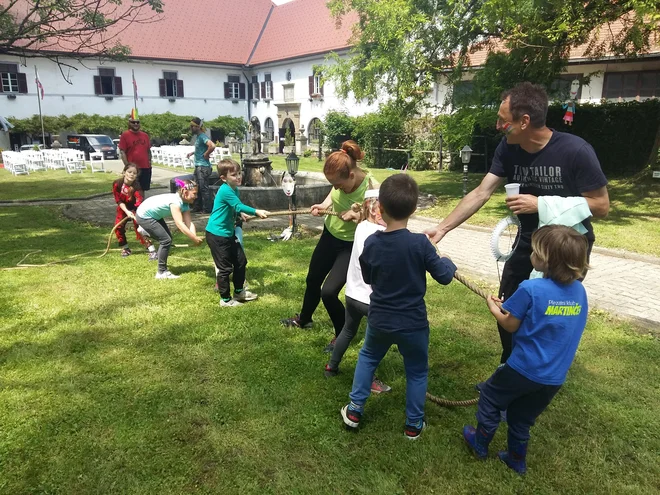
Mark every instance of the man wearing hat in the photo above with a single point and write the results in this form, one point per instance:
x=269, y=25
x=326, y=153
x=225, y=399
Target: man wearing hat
x=135, y=147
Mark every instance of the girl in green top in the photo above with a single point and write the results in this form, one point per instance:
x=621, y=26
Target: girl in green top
x=329, y=263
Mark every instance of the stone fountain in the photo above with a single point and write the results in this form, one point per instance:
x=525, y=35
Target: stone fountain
x=257, y=169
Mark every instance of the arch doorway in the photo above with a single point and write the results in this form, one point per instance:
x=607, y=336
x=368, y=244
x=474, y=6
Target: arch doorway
x=287, y=125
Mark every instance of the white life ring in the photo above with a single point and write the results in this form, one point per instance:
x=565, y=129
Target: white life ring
x=503, y=224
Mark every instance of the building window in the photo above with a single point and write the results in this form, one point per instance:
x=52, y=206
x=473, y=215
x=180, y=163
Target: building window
x=234, y=88
x=463, y=93
x=288, y=92
x=632, y=85
x=107, y=84
x=315, y=85
x=11, y=79
x=560, y=89
x=255, y=87
x=314, y=130
x=170, y=86
x=267, y=88
x=270, y=129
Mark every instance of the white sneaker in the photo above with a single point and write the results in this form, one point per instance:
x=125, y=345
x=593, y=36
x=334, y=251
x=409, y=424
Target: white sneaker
x=245, y=295
x=166, y=274
x=232, y=303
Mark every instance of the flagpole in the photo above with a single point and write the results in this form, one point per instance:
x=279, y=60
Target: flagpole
x=41, y=118
x=134, y=93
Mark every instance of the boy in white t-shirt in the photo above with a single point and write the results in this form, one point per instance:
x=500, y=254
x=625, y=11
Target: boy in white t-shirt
x=357, y=292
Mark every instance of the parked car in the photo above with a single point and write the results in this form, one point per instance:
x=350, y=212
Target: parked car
x=30, y=147
x=93, y=143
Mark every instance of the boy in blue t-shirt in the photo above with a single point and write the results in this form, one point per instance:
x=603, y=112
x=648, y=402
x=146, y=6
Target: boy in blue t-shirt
x=394, y=262
x=546, y=317
x=227, y=251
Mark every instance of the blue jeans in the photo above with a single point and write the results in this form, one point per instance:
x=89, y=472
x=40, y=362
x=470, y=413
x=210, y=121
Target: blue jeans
x=521, y=398
x=414, y=347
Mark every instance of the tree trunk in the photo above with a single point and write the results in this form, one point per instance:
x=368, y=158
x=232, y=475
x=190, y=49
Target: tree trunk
x=653, y=157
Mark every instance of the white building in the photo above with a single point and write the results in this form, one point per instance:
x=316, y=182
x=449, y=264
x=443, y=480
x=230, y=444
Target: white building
x=245, y=58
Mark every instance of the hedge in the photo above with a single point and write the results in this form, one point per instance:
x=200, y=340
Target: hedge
x=165, y=127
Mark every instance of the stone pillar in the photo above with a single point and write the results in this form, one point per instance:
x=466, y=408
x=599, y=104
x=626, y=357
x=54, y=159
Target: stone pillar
x=301, y=142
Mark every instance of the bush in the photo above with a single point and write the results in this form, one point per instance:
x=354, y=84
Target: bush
x=165, y=127
x=621, y=133
x=337, y=128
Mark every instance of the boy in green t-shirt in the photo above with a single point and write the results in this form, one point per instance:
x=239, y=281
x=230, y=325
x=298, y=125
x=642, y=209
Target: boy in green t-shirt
x=227, y=251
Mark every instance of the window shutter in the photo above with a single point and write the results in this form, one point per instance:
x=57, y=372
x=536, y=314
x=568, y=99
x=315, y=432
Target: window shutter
x=22, y=83
x=118, y=88
x=255, y=90
x=311, y=85
x=162, y=88
x=241, y=91
x=227, y=93
x=179, y=88
x=250, y=92
x=97, y=85
x=270, y=84
x=263, y=89
x=321, y=88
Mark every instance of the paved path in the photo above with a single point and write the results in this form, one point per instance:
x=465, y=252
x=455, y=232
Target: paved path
x=623, y=283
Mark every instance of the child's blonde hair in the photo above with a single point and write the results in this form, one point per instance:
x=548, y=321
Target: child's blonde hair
x=370, y=205
x=228, y=165
x=562, y=253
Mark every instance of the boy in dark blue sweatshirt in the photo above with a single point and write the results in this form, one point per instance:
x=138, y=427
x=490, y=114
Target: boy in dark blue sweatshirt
x=394, y=262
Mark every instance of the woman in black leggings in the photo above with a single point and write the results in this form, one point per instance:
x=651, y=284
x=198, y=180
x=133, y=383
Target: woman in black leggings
x=329, y=263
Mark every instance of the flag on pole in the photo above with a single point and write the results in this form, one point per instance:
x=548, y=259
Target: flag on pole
x=135, y=88
x=40, y=87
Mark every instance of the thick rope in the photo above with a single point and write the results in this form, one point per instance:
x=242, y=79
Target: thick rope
x=307, y=211
x=459, y=403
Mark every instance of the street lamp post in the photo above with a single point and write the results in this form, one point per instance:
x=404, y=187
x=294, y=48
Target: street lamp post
x=466, y=156
x=292, y=162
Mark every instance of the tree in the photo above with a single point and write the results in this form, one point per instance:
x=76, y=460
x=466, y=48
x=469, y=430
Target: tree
x=70, y=28
x=401, y=47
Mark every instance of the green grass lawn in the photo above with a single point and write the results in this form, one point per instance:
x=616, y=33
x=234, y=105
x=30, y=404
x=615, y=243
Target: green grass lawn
x=51, y=184
x=113, y=382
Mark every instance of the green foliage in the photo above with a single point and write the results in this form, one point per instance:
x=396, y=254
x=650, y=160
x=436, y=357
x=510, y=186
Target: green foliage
x=622, y=134
x=380, y=132
x=90, y=29
x=288, y=138
x=308, y=152
x=401, y=47
x=162, y=128
x=337, y=128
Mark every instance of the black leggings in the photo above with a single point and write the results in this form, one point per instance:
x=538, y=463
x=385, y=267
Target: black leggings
x=355, y=311
x=330, y=259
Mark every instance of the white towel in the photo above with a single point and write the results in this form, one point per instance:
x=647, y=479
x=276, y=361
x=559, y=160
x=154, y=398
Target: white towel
x=555, y=210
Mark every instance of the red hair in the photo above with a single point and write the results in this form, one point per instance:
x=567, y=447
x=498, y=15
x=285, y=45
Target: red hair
x=341, y=163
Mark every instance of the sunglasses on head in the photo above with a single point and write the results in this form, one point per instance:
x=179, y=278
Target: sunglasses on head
x=134, y=122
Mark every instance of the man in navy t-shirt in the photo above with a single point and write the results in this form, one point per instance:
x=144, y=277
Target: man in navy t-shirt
x=545, y=163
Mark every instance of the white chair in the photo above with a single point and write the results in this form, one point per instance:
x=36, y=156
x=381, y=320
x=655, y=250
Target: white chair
x=72, y=161
x=34, y=160
x=157, y=155
x=15, y=162
x=96, y=162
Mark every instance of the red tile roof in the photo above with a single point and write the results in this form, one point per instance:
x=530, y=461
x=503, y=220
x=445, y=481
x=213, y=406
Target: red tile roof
x=302, y=27
x=605, y=35
x=220, y=31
